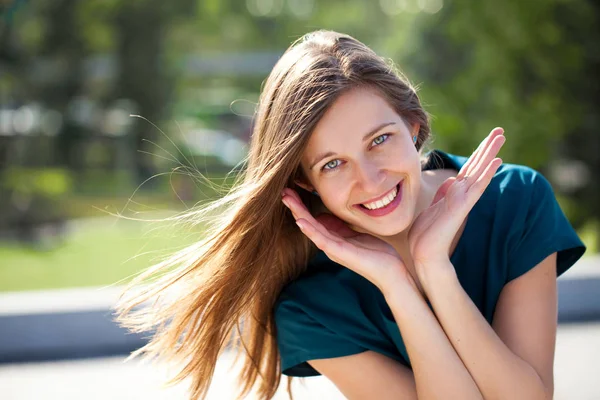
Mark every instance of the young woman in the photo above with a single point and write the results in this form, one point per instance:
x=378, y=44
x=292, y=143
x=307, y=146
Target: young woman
x=345, y=251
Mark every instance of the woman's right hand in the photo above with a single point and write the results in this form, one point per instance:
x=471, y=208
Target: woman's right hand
x=364, y=254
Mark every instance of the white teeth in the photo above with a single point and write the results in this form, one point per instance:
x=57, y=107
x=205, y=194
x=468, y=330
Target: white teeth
x=383, y=202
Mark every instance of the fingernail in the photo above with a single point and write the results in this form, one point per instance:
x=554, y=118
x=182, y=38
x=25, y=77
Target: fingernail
x=284, y=201
x=300, y=224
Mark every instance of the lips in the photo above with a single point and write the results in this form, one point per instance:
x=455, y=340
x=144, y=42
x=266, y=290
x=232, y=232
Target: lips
x=382, y=201
x=388, y=208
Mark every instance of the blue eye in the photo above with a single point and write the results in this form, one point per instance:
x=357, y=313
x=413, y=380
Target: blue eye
x=380, y=139
x=332, y=165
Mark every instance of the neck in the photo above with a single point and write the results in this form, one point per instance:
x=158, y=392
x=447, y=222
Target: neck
x=399, y=241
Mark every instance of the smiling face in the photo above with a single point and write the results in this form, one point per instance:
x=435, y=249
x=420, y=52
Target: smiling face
x=362, y=161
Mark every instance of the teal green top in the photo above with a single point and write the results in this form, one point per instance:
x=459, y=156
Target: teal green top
x=330, y=311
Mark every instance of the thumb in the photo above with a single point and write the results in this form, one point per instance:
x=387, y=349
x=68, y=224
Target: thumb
x=442, y=190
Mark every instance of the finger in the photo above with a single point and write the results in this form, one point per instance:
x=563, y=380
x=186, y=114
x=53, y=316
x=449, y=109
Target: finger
x=475, y=191
x=290, y=192
x=477, y=154
x=316, y=236
x=489, y=155
x=466, y=167
x=299, y=211
x=287, y=192
x=357, y=258
x=466, y=192
x=287, y=203
x=337, y=250
x=443, y=190
x=292, y=200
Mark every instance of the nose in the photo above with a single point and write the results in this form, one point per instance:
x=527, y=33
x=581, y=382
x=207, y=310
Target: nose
x=370, y=177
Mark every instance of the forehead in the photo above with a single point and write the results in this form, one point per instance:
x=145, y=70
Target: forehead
x=349, y=118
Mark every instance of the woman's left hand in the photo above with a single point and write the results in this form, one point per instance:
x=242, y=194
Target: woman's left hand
x=433, y=231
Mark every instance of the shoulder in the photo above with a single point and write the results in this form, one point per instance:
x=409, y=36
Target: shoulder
x=520, y=216
x=511, y=193
x=523, y=198
x=511, y=181
x=318, y=315
x=328, y=296
x=319, y=288
x=518, y=186
x=515, y=198
x=519, y=180
x=531, y=220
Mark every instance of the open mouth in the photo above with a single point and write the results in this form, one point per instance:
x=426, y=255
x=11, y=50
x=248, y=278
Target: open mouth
x=384, y=201
x=385, y=204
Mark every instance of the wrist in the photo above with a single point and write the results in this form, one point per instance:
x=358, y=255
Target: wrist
x=399, y=283
x=432, y=274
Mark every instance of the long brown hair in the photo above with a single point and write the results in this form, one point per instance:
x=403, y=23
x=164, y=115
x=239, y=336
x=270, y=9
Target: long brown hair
x=201, y=296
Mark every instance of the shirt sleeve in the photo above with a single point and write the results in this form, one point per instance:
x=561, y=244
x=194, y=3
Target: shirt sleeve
x=543, y=230
x=301, y=338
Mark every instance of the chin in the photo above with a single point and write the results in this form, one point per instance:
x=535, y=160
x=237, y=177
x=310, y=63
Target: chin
x=383, y=229
x=387, y=231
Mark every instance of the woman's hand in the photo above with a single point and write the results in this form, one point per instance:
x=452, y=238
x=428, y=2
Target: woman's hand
x=364, y=254
x=431, y=234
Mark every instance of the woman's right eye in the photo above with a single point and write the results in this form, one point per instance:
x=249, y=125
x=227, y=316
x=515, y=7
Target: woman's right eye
x=331, y=165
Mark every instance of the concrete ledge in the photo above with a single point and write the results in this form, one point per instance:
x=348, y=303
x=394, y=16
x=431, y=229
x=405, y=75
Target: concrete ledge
x=59, y=301
x=78, y=323
x=62, y=324
x=38, y=337
x=578, y=300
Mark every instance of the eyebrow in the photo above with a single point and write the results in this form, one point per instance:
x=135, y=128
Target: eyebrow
x=379, y=127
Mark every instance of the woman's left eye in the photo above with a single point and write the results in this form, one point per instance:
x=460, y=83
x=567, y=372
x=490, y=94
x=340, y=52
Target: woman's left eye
x=380, y=139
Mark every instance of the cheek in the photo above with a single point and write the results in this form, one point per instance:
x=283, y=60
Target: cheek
x=334, y=194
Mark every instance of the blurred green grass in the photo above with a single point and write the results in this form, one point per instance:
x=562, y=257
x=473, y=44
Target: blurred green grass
x=108, y=250
x=97, y=252
x=101, y=249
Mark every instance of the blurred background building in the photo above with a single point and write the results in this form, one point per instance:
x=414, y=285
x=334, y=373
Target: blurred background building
x=111, y=109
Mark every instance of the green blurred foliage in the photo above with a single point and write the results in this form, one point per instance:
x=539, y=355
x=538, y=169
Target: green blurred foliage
x=83, y=260
x=508, y=64
x=47, y=182
x=531, y=67
x=30, y=196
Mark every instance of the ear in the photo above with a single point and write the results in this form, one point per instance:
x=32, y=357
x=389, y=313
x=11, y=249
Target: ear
x=415, y=130
x=306, y=186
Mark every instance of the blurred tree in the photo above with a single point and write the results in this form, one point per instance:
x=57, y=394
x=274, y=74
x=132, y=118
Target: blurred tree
x=62, y=53
x=144, y=73
x=582, y=141
x=530, y=67
x=140, y=28
x=12, y=63
x=9, y=51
